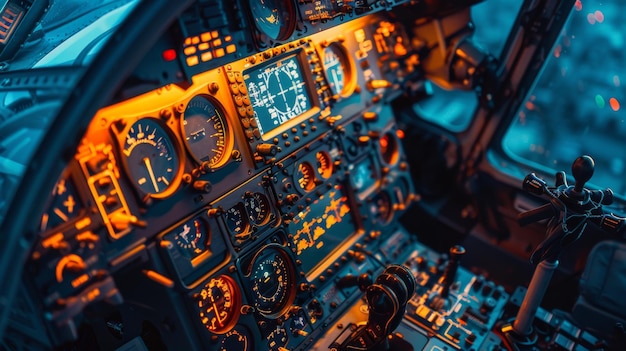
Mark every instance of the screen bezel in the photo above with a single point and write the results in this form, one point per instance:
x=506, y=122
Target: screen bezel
x=309, y=82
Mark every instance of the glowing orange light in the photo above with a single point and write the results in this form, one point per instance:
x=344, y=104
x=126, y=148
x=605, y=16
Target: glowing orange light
x=579, y=5
x=384, y=142
x=614, y=104
x=400, y=133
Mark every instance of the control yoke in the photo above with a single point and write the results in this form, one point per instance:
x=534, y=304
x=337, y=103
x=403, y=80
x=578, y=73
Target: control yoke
x=569, y=210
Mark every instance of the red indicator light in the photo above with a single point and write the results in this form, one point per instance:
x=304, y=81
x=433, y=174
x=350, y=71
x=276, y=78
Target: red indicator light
x=169, y=55
x=614, y=104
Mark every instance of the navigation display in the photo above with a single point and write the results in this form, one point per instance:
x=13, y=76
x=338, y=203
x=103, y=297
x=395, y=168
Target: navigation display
x=277, y=93
x=321, y=228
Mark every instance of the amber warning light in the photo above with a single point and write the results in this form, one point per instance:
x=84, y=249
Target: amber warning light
x=9, y=19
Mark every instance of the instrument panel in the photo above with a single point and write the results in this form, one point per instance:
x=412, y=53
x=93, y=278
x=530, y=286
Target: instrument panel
x=245, y=200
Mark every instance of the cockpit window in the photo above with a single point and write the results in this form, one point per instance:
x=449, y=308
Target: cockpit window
x=454, y=109
x=43, y=49
x=578, y=105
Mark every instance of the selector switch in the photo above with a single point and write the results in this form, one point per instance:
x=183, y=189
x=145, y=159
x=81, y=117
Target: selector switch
x=267, y=149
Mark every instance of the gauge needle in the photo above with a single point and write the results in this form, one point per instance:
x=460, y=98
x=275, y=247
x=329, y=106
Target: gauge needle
x=146, y=161
x=217, y=314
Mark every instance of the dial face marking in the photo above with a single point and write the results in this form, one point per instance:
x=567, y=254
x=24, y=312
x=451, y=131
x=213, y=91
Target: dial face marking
x=64, y=206
x=272, y=278
x=219, y=304
x=206, y=133
x=151, y=159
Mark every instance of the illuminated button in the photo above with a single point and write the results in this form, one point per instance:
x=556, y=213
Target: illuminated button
x=205, y=36
x=241, y=111
x=215, y=34
x=195, y=40
x=192, y=61
x=231, y=48
x=228, y=38
x=190, y=50
x=234, y=88
x=203, y=46
x=245, y=122
x=207, y=56
x=370, y=116
x=231, y=77
x=238, y=100
x=217, y=42
x=243, y=89
x=219, y=52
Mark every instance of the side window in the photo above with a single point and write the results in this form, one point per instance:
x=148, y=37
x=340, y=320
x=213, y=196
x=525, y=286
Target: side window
x=453, y=110
x=576, y=106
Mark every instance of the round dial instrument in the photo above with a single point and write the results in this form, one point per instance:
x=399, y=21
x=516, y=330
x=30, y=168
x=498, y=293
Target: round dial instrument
x=273, y=278
x=305, y=176
x=258, y=208
x=274, y=18
x=236, y=222
x=219, y=304
x=338, y=69
x=207, y=135
x=192, y=237
x=381, y=208
x=236, y=340
x=64, y=206
x=151, y=158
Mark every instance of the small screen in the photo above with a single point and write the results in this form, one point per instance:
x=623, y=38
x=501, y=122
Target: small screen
x=321, y=228
x=277, y=93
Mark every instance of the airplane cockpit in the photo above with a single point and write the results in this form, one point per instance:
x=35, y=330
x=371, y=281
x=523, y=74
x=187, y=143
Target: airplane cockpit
x=324, y=175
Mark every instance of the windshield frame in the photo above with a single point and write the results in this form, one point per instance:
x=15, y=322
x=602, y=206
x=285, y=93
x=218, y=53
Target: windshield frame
x=93, y=89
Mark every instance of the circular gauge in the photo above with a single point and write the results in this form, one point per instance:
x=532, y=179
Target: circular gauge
x=236, y=340
x=258, y=208
x=277, y=339
x=381, y=208
x=236, y=222
x=338, y=69
x=151, y=158
x=219, y=304
x=363, y=175
x=305, y=175
x=389, y=148
x=207, y=135
x=324, y=164
x=192, y=237
x=273, y=281
x=274, y=18
x=64, y=206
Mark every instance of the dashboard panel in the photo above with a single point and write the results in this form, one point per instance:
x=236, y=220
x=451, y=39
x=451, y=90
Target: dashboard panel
x=254, y=205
